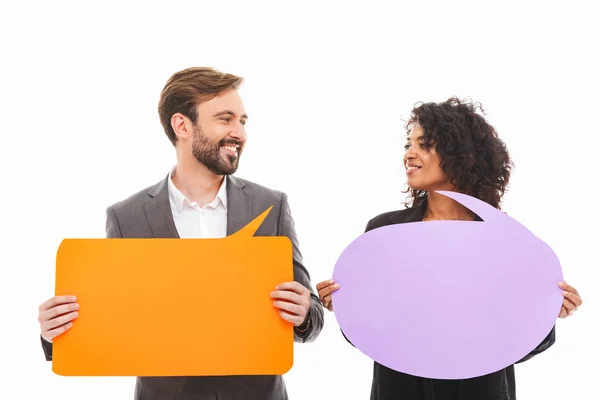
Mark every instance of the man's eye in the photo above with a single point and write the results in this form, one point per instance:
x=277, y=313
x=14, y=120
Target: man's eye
x=243, y=122
x=226, y=119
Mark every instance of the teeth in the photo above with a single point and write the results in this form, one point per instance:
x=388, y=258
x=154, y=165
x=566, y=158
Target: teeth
x=231, y=148
x=412, y=167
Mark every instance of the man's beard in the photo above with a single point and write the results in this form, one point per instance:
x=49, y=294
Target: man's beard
x=209, y=153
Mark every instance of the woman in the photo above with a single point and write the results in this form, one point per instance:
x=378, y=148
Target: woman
x=450, y=147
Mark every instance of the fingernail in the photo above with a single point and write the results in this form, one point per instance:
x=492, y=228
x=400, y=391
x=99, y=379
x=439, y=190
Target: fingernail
x=561, y=284
x=337, y=285
x=331, y=281
x=76, y=314
x=565, y=292
x=73, y=298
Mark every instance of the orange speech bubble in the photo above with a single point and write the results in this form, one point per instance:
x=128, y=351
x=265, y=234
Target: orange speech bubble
x=175, y=307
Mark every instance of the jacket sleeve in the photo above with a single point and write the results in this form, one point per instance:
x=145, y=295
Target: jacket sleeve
x=112, y=231
x=310, y=329
x=47, y=347
x=545, y=345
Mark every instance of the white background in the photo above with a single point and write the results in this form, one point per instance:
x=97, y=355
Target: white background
x=327, y=87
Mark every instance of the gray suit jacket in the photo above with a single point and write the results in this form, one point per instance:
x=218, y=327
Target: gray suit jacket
x=147, y=214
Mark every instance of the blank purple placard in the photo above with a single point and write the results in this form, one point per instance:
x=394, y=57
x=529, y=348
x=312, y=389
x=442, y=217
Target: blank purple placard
x=448, y=299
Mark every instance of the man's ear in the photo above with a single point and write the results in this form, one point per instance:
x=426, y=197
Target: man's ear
x=182, y=126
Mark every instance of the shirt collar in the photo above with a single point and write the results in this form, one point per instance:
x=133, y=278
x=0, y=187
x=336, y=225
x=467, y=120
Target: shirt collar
x=178, y=199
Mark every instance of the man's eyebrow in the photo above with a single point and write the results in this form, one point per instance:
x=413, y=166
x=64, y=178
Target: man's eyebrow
x=230, y=113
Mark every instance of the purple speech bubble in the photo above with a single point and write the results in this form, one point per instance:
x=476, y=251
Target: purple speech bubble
x=448, y=299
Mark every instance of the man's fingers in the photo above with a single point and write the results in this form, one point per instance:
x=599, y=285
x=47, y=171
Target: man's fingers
x=57, y=311
x=63, y=319
x=293, y=286
x=291, y=307
x=291, y=296
x=291, y=318
x=51, y=334
x=55, y=301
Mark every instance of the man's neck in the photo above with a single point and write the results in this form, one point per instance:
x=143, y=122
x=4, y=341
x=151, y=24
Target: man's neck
x=196, y=182
x=440, y=207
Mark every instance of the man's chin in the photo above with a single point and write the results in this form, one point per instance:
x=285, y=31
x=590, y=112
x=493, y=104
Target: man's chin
x=230, y=164
x=229, y=170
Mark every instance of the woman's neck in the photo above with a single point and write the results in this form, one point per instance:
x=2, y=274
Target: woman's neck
x=440, y=207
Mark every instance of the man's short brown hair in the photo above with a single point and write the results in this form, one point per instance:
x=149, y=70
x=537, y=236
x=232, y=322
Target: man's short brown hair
x=186, y=89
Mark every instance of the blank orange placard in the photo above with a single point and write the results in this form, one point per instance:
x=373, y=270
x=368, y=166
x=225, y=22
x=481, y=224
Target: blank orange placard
x=175, y=307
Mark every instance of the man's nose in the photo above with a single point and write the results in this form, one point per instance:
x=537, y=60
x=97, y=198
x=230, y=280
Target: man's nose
x=238, y=132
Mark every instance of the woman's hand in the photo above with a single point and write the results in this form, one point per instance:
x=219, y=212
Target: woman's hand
x=325, y=289
x=571, y=300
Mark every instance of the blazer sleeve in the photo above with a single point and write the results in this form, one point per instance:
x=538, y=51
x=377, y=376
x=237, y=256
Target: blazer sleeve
x=47, y=347
x=310, y=329
x=545, y=345
x=112, y=231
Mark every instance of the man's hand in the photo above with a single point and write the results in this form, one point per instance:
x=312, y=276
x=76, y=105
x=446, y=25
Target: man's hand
x=325, y=289
x=56, y=315
x=571, y=300
x=293, y=301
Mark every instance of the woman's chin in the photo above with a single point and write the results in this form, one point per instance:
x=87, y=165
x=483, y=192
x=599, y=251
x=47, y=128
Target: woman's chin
x=416, y=186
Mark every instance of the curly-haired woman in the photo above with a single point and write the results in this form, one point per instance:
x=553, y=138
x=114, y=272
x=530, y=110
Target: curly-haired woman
x=449, y=146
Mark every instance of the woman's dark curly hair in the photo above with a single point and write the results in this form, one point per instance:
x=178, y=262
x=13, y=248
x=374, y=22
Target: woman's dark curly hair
x=472, y=156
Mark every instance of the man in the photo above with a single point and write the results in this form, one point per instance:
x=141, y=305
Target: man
x=204, y=117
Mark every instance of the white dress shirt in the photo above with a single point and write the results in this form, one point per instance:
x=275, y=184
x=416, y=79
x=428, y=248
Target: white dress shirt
x=193, y=221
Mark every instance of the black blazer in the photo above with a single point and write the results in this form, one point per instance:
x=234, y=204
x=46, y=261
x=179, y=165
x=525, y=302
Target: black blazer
x=393, y=385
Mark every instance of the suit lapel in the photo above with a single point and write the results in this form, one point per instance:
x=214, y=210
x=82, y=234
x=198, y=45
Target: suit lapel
x=239, y=205
x=158, y=212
